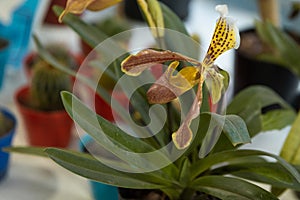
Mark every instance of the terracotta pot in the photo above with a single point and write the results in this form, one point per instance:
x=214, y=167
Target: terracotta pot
x=5, y=141
x=43, y=128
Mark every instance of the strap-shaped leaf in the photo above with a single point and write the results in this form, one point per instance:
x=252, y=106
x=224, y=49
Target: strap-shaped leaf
x=87, y=166
x=154, y=17
x=134, y=151
x=261, y=171
x=291, y=148
x=35, y=151
x=228, y=188
x=206, y=163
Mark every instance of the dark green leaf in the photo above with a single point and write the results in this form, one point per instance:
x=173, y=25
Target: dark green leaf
x=249, y=103
x=234, y=128
x=204, y=164
x=35, y=151
x=228, y=188
x=132, y=150
x=88, y=33
x=263, y=171
x=87, y=166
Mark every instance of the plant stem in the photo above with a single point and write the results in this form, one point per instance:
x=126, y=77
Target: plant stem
x=269, y=11
x=187, y=194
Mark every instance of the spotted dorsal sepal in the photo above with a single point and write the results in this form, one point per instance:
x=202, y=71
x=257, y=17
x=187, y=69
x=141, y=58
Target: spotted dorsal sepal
x=225, y=37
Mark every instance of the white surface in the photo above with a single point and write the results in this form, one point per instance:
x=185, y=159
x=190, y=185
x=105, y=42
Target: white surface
x=34, y=178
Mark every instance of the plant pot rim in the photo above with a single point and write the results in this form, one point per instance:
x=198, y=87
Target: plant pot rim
x=21, y=96
x=11, y=116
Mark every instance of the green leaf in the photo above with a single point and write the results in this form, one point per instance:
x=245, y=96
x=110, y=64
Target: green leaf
x=35, y=151
x=228, y=188
x=277, y=119
x=285, y=48
x=234, y=128
x=154, y=17
x=249, y=104
x=176, y=31
x=172, y=21
x=264, y=172
x=134, y=151
x=90, y=34
x=87, y=166
x=204, y=164
x=291, y=148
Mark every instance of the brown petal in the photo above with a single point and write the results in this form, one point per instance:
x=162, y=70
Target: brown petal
x=136, y=64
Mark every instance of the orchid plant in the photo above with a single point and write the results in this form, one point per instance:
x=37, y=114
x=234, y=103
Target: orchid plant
x=179, y=162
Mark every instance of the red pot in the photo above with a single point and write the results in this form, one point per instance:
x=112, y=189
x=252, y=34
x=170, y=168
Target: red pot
x=43, y=128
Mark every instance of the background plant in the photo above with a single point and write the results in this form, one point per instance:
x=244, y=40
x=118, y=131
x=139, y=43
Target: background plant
x=47, y=82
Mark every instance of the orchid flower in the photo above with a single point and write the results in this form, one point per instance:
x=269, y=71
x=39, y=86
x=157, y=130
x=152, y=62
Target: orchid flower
x=79, y=6
x=169, y=86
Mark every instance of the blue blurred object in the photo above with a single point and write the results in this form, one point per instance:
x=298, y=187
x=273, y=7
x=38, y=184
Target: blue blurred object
x=4, y=52
x=5, y=141
x=100, y=191
x=18, y=32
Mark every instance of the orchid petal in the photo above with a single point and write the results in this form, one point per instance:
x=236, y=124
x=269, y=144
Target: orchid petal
x=134, y=65
x=225, y=37
x=184, y=135
x=170, y=86
x=215, y=84
x=79, y=6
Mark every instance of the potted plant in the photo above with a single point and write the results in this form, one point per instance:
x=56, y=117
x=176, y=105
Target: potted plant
x=262, y=57
x=7, y=131
x=39, y=102
x=196, y=157
x=3, y=58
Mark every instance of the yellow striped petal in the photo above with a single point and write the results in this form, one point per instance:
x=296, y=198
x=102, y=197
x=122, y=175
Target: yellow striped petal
x=225, y=37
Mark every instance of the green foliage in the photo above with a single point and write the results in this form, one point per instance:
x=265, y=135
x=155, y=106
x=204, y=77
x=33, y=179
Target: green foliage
x=285, y=49
x=222, y=170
